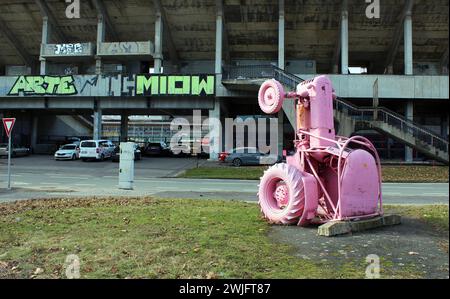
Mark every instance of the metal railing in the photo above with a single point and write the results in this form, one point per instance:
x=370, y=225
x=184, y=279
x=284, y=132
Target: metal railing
x=364, y=114
x=392, y=119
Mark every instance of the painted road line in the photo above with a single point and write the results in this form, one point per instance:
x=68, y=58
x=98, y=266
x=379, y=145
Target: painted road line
x=70, y=177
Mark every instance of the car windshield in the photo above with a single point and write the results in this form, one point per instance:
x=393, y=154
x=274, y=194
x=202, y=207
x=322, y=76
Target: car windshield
x=89, y=144
x=69, y=147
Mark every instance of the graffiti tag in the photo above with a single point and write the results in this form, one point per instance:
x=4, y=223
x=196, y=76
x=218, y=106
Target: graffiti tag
x=44, y=85
x=194, y=85
x=68, y=49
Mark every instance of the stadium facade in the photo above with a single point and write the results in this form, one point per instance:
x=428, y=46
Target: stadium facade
x=61, y=72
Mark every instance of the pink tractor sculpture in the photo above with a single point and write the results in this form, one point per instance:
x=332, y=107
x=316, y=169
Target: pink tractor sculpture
x=329, y=177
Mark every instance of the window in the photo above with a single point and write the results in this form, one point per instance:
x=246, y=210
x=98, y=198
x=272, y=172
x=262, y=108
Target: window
x=88, y=144
x=69, y=147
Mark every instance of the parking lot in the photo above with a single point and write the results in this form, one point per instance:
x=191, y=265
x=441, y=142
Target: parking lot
x=148, y=167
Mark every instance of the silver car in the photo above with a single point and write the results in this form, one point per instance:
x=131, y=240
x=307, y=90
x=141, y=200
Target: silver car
x=16, y=150
x=248, y=156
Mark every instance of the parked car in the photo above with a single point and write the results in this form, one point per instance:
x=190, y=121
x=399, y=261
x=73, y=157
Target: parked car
x=68, y=152
x=247, y=156
x=137, y=153
x=96, y=150
x=16, y=150
x=157, y=149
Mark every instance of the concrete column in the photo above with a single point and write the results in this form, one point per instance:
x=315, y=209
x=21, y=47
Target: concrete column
x=215, y=130
x=280, y=132
x=34, y=132
x=101, y=32
x=219, y=42
x=98, y=128
x=215, y=127
x=408, y=44
x=409, y=114
x=158, y=44
x=46, y=31
x=344, y=38
x=124, y=128
x=281, y=41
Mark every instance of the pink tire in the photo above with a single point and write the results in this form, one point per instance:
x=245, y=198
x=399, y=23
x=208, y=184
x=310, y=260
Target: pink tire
x=270, y=97
x=281, y=194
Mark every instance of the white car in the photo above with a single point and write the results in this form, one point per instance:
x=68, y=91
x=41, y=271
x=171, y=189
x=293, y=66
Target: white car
x=68, y=152
x=96, y=150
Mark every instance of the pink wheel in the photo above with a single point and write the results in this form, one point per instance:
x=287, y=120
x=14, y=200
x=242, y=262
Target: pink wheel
x=271, y=96
x=281, y=194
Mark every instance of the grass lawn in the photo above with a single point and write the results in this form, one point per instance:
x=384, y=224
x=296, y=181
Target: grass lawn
x=155, y=238
x=390, y=173
x=434, y=215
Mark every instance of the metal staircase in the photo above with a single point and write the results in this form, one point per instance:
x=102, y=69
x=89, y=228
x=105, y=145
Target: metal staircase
x=380, y=119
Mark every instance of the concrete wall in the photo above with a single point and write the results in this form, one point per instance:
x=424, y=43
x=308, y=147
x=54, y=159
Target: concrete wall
x=390, y=87
x=61, y=125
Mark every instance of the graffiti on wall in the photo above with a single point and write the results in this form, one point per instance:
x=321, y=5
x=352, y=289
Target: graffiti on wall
x=199, y=85
x=126, y=48
x=68, y=49
x=44, y=85
x=109, y=85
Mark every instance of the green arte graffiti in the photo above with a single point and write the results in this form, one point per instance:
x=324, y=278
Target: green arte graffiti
x=44, y=85
x=193, y=85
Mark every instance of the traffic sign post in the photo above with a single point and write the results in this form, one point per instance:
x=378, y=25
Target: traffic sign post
x=8, y=124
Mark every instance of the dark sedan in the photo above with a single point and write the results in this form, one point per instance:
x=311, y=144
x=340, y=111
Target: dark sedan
x=116, y=155
x=157, y=149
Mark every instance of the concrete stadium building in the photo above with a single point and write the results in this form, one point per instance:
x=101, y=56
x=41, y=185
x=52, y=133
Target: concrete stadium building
x=59, y=74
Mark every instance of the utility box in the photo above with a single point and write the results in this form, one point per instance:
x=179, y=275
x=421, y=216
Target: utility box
x=126, y=165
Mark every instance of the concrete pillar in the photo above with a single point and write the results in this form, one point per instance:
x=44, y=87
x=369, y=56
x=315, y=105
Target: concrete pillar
x=98, y=128
x=46, y=31
x=215, y=127
x=124, y=127
x=34, y=132
x=281, y=41
x=408, y=44
x=215, y=130
x=158, y=44
x=219, y=42
x=101, y=32
x=344, y=38
x=409, y=114
x=280, y=132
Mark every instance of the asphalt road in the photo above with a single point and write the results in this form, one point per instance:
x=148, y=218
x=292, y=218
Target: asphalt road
x=42, y=177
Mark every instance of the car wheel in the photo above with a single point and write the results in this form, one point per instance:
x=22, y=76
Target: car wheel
x=237, y=162
x=83, y=159
x=13, y=154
